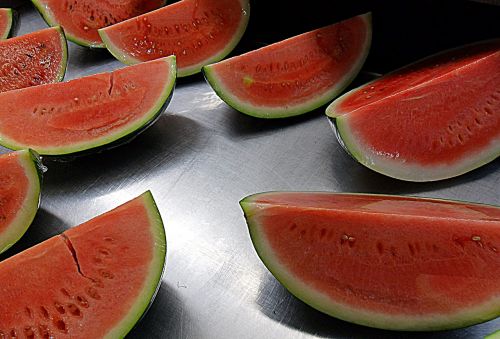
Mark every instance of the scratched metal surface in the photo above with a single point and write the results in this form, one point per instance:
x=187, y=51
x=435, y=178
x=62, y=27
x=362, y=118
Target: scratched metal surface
x=199, y=160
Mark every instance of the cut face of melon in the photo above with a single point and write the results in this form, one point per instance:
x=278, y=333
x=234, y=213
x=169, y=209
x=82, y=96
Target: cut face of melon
x=20, y=181
x=197, y=32
x=33, y=59
x=294, y=76
x=93, y=281
x=87, y=113
x=6, y=22
x=435, y=119
x=82, y=18
x=388, y=262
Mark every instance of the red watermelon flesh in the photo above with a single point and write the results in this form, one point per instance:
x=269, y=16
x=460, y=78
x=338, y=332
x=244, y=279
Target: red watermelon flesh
x=19, y=195
x=197, y=32
x=86, y=113
x=6, y=21
x=296, y=75
x=82, y=18
x=382, y=261
x=92, y=281
x=33, y=59
x=435, y=119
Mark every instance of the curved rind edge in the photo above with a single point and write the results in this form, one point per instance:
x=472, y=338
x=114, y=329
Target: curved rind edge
x=48, y=17
x=494, y=335
x=116, y=139
x=64, y=57
x=18, y=227
x=407, y=172
x=153, y=280
x=183, y=72
x=278, y=113
x=10, y=15
x=344, y=312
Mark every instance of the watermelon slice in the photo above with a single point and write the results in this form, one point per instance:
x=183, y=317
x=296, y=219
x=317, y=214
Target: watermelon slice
x=82, y=18
x=294, y=76
x=93, y=281
x=33, y=59
x=84, y=114
x=388, y=262
x=6, y=22
x=198, y=32
x=435, y=119
x=20, y=180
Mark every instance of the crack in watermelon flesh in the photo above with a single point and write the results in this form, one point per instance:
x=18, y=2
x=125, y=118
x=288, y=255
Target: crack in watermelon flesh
x=92, y=281
x=382, y=261
x=33, y=59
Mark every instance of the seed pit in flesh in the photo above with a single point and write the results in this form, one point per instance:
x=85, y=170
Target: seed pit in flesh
x=44, y=312
x=29, y=333
x=82, y=301
x=60, y=325
x=74, y=310
x=59, y=308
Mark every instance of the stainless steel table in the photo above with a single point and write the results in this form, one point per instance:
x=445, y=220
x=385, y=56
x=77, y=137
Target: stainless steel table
x=199, y=160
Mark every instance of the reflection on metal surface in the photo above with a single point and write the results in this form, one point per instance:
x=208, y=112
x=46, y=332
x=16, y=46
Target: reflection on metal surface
x=199, y=160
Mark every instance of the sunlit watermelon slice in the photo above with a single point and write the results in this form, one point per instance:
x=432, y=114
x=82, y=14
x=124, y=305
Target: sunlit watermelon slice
x=198, y=32
x=6, y=22
x=434, y=119
x=294, y=76
x=389, y=262
x=87, y=113
x=82, y=18
x=93, y=281
x=20, y=180
x=33, y=59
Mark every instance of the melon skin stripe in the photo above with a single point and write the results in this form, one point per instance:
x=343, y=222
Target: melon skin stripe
x=33, y=171
x=130, y=56
x=494, y=335
x=407, y=166
x=280, y=205
x=86, y=267
x=222, y=85
x=9, y=23
x=66, y=121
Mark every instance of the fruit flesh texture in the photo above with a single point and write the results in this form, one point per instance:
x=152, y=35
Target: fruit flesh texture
x=32, y=59
x=81, y=19
x=463, y=105
x=391, y=257
x=296, y=70
x=84, y=109
x=195, y=31
x=5, y=22
x=82, y=283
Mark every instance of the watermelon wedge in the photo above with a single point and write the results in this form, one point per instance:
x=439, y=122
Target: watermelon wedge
x=20, y=181
x=434, y=119
x=84, y=114
x=198, y=32
x=294, y=76
x=33, y=59
x=6, y=22
x=82, y=18
x=93, y=281
x=389, y=262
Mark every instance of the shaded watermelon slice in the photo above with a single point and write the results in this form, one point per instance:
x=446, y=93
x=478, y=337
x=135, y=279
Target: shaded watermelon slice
x=82, y=18
x=33, y=59
x=388, y=262
x=198, y=32
x=294, y=76
x=20, y=181
x=86, y=113
x=6, y=22
x=434, y=119
x=93, y=281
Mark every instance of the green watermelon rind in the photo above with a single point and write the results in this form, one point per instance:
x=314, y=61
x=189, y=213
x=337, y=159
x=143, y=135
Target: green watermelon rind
x=115, y=139
x=187, y=71
x=10, y=15
x=64, y=57
x=31, y=163
x=494, y=335
x=319, y=301
x=153, y=280
x=266, y=112
x=405, y=171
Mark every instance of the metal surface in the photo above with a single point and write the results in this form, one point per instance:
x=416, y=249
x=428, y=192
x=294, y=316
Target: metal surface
x=199, y=160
